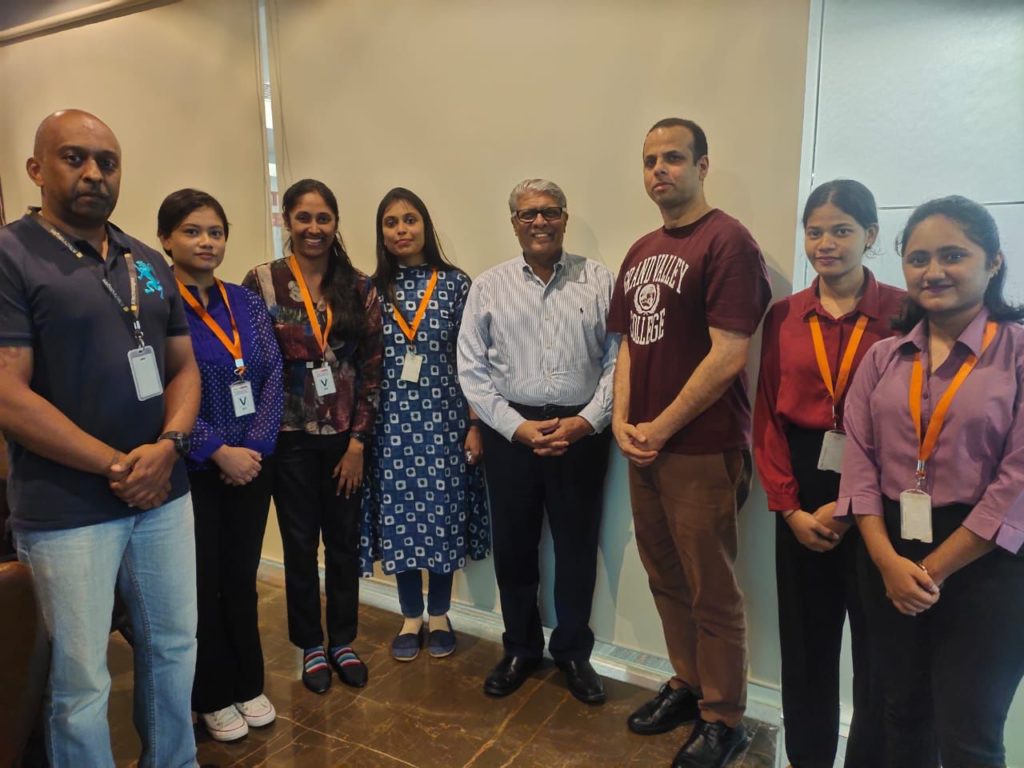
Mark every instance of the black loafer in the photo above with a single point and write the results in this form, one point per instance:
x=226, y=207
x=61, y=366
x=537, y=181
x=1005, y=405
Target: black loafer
x=669, y=709
x=584, y=683
x=316, y=675
x=711, y=745
x=509, y=674
x=348, y=666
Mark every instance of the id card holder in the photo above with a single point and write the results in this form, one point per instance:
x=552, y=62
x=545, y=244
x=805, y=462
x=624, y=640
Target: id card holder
x=411, y=367
x=242, y=399
x=145, y=373
x=916, y=516
x=831, y=457
x=323, y=380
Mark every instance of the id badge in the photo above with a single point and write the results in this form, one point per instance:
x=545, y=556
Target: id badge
x=831, y=457
x=916, y=516
x=242, y=399
x=145, y=373
x=323, y=380
x=411, y=367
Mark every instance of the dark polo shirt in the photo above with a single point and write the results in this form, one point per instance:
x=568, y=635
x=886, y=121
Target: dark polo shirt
x=55, y=303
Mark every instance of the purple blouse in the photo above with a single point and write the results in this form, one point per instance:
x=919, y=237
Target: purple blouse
x=217, y=424
x=979, y=457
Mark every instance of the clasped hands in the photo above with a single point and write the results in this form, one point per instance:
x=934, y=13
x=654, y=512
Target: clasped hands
x=910, y=588
x=640, y=443
x=142, y=477
x=553, y=436
x=817, y=530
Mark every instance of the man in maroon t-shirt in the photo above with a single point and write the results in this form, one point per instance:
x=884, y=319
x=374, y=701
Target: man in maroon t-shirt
x=687, y=300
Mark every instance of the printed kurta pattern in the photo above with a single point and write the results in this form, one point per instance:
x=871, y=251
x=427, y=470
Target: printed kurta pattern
x=423, y=506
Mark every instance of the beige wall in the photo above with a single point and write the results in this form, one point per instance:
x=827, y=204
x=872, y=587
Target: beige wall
x=459, y=100
x=180, y=87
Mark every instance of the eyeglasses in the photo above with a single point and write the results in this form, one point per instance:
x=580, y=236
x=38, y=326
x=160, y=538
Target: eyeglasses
x=526, y=215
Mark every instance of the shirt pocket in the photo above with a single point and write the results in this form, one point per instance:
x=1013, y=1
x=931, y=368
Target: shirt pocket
x=585, y=331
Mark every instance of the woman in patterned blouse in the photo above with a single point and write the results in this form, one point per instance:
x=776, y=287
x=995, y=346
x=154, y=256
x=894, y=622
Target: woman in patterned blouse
x=327, y=319
x=424, y=504
x=229, y=462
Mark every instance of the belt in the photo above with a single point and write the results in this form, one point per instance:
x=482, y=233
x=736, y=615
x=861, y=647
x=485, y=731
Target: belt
x=543, y=412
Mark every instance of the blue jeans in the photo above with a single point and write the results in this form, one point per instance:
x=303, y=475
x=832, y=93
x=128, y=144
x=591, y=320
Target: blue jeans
x=410, y=593
x=150, y=557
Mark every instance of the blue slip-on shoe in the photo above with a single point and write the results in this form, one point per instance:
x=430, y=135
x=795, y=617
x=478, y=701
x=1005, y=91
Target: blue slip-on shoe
x=441, y=642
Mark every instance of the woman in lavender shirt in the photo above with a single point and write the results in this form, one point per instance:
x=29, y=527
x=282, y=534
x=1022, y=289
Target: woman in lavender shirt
x=943, y=519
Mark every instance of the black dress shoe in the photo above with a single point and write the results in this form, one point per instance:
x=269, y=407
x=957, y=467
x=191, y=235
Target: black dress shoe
x=669, y=709
x=711, y=745
x=510, y=673
x=316, y=675
x=584, y=683
x=351, y=670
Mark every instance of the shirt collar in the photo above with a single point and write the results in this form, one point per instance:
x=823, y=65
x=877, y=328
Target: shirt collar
x=559, y=265
x=970, y=337
x=869, y=303
x=117, y=240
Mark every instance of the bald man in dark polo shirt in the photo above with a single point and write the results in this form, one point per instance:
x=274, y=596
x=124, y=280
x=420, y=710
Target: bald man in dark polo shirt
x=98, y=392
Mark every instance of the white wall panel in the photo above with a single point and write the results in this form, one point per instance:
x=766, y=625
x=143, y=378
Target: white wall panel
x=922, y=98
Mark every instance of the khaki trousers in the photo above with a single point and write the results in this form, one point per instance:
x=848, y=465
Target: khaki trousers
x=684, y=515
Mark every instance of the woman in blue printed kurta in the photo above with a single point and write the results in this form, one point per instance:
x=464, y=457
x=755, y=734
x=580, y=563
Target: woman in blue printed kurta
x=424, y=501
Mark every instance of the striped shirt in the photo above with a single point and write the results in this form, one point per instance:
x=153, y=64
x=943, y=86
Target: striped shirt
x=534, y=344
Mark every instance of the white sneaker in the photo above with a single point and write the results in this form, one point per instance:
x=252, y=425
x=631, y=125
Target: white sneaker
x=257, y=712
x=225, y=724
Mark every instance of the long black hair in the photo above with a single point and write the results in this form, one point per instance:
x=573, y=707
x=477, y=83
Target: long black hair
x=387, y=262
x=980, y=228
x=340, y=283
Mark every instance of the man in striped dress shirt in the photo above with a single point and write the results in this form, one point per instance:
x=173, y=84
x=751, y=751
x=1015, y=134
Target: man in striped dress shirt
x=535, y=363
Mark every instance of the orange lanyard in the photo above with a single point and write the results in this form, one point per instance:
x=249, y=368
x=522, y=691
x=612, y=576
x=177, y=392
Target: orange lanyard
x=320, y=334
x=232, y=345
x=926, y=446
x=845, y=366
x=410, y=330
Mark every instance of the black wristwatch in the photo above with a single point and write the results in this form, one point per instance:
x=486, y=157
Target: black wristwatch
x=182, y=441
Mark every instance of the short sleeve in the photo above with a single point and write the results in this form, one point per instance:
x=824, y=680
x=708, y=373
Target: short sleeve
x=737, y=290
x=618, y=316
x=16, y=328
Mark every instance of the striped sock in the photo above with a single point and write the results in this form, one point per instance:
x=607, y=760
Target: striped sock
x=314, y=660
x=344, y=656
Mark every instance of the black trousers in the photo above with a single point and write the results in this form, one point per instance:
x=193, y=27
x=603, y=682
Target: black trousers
x=521, y=485
x=950, y=673
x=308, y=507
x=816, y=591
x=229, y=524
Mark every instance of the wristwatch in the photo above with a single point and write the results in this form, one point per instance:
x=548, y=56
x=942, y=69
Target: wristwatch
x=182, y=441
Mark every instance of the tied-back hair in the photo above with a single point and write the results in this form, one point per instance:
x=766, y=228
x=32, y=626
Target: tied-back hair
x=387, y=262
x=340, y=283
x=849, y=196
x=177, y=206
x=980, y=228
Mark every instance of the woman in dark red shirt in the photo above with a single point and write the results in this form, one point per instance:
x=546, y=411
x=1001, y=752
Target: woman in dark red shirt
x=812, y=343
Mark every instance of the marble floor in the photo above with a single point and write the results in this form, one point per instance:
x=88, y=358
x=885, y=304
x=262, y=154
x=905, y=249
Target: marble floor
x=427, y=713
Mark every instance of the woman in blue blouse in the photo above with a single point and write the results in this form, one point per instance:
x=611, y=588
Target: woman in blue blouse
x=423, y=504
x=229, y=462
